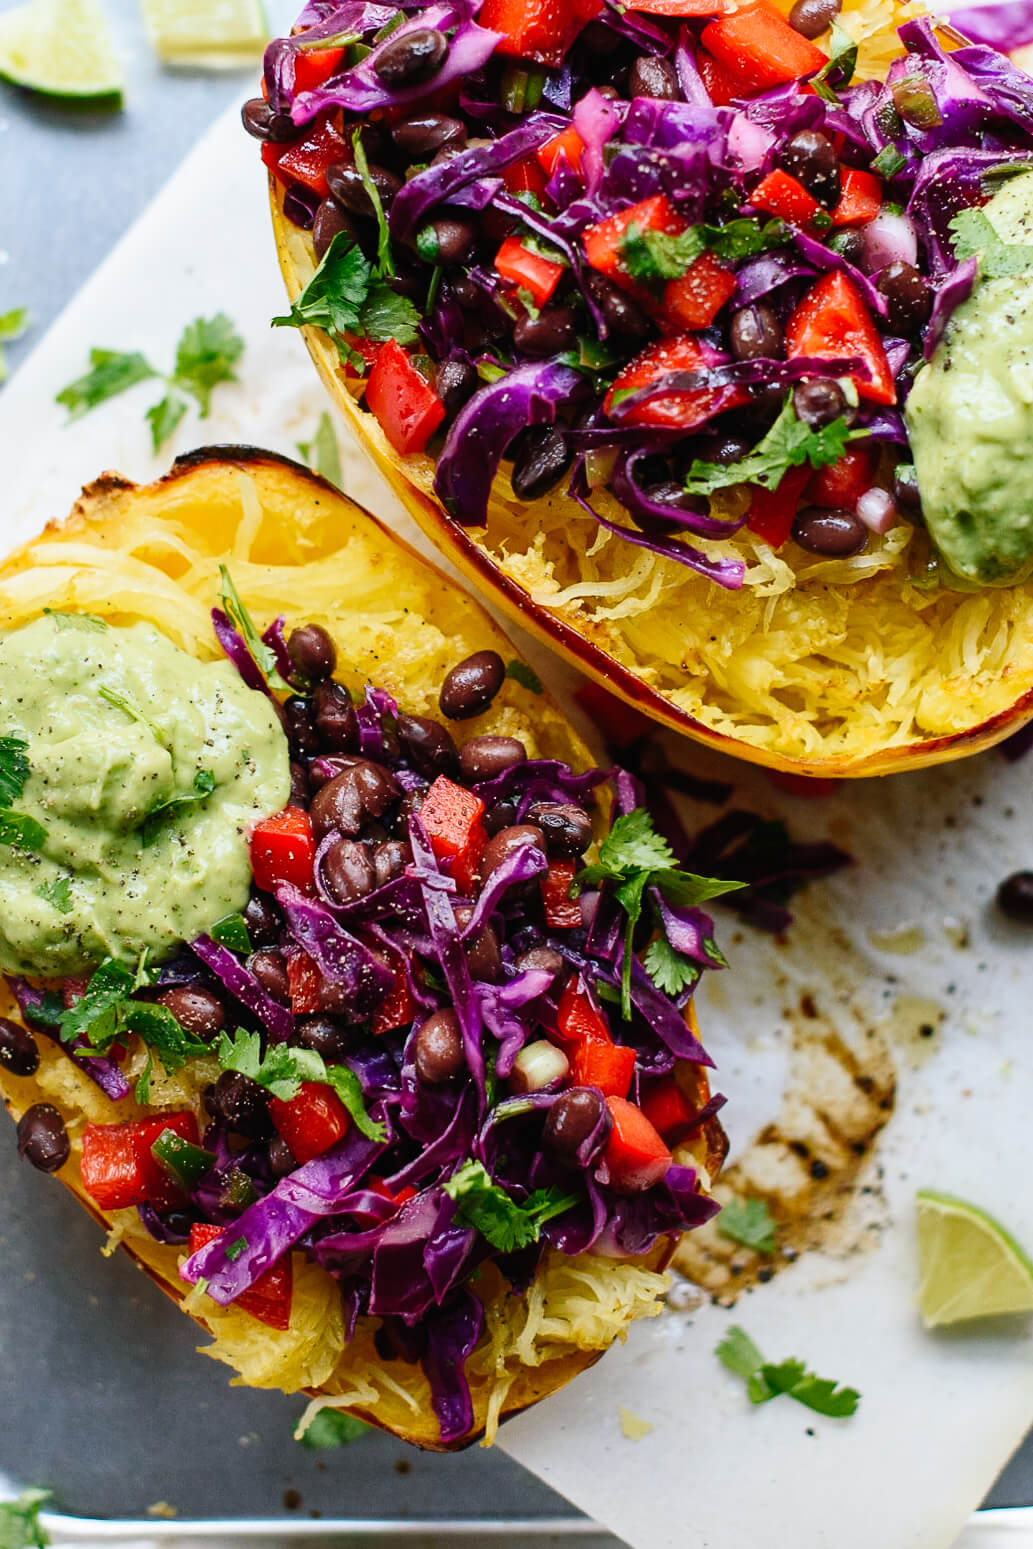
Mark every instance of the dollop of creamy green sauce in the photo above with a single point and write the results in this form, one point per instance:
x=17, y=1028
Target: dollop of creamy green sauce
x=119, y=723
x=970, y=418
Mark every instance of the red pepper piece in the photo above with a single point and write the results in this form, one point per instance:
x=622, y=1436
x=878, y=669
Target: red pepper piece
x=832, y=321
x=607, y=1066
x=313, y=66
x=305, y=981
x=758, y=48
x=526, y=177
x=695, y=300
x=722, y=86
x=561, y=911
x=785, y=196
x=283, y=850
x=306, y=160
x=312, y=1121
x=620, y=724
x=567, y=143
x=537, y=29
x=679, y=7
x=840, y=485
x=772, y=510
x=376, y=1185
x=577, y=1020
x=407, y=408
x=397, y=1008
x=635, y=1156
x=452, y=817
x=530, y=271
x=269, y=1299
x=681, y=409
x=667, y=1108
x=117, y=1167
x=603, y=240
x=860, y=198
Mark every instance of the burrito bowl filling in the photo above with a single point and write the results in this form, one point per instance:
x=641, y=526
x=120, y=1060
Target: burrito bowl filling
x=681, y=258
x=443, y=1031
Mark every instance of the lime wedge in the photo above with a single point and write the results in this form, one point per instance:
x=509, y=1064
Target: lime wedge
x=63, y=48
x=206, y=32
x=970, y=1266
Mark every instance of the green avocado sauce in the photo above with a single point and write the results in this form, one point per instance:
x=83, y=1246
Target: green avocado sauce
x=970, y=418
x=119, y=723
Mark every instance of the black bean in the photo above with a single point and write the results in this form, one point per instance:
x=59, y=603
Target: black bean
x=436, y=1049
x=390, y=859
x=450, y=239
x=553, y=330
x=541, y=457
x=262, y=919
x=1015, y=897
x=909, y=300
x=502, y=845
x=330, y=222
x=325, y=1035
x=348, y=801
x=724, y=448
x=471, y=685
x=819, y=402
x=177, y=1224
x=543, y=960
x=262, y=123
x=42, y=1138
x=313, y=652
x=755, y=333
x=301, y=731
x=810, y=157
x=270, y=969
x=336, y=726
x=19, y=1052
x=455, y=383
x=348, y=871
x=905, y=489
x=413, y=58
x=197, y=1010
x=836, y=534
x=427, y=745
x=668, y=493
x=299, y=786
x=407, y=808
x=500, y=815
x=423, y=134
x=448, y=152
x=325, y=768
x=653, y=76
x=484, y=758
x=282, y=1161
x=345, y=183
x=626, y=321
x=243, y=1104
x=572, y=1118
x=483, y=957
x=567, y=828
x=811, y=18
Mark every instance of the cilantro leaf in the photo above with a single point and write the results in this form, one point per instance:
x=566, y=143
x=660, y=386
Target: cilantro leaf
x=105, y=1011
x=384, y=263
x=788, y=444
x=686, y=889
x=634, y=844
x=142, y=1090
x=207, y=351
x=657, y=255
x=14, y=768
x=88, y=623
x=526, y=676
x=20, y=831
x=163, y=418
x=20, y=1527
x=93, y=1014
x=12, y=325
x=749, y=1222
x=765, y=1380
x=738, y=1353
x=232, y=932
x=482, y=1204
x=322, y=453
x=823, y=1395
x=129, y=707
x=976, y=237
x=111, y=373
x=386, y=315
x=333, y=296
x=58, y=893
x=669, y=970
x=745, y=237
x=333, y=1428
x=282, y=1069
x=153, y=828
x=840, y=66
x=263, y=656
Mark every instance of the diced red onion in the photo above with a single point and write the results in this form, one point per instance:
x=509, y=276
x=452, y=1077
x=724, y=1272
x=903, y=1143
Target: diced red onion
x=889, y=239
x=877, y=510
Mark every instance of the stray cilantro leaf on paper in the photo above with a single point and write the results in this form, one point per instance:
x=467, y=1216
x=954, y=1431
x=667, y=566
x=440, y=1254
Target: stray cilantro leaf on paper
x=208, y=349
x=526, y=676
x=333, y=1428
x=748, y=1221
x=110, y=373
x=20, y=1527
x=163, y=418
x=12, y=325
x=499, y=1219
x=322, y=453
x=765, y=1381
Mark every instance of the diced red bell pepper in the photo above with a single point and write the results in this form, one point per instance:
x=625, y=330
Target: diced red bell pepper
x=526, y=177
x=537, y=29
x=860, y=198
x=452, y=816
x=635, y=1155
x=118, y=1169
x=269, y=1299
x=312, y=1121
x=785, y=196
x=605, y=1065
x=376, y=1185
x=758, y=48
x=683, y=408
x=667, y=1108
x=722, y=86
x=283, y=850
x=620, y=723
x=840, y=485
x=679, y=7
x=517, y=264
x=833, y=322
x=695, y=300
x=397, y=1008
x=577, y=1020
x=772, y=511
x=407, y=408
x=313, y=66
x=567, y=143
x=304, y=980
x=603, y=240
x=561, y=911
x=307, y=160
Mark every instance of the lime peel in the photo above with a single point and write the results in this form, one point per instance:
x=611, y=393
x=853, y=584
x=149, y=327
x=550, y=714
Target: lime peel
x=61, y=48
x=200, y=32
x=971, y=1266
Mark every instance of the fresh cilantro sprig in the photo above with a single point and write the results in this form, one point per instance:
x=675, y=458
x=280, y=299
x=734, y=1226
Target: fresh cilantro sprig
x=20, y=1527
x=322, y=453
x=633, y=858
x=20, y=831
x=206, y=354
x=765, y=1381
x=155, y=825
x=106, y=1011
x=281, y=1070
x=788, y=444
x=57, y=893
x=749, y=1222
x=86, y=623
x=263, y=656
x=344, y=297
x=976, y=237
x=14, y=768
x=12, y=325
x=132, y=709
x=482, y=1204
x=660, y=255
